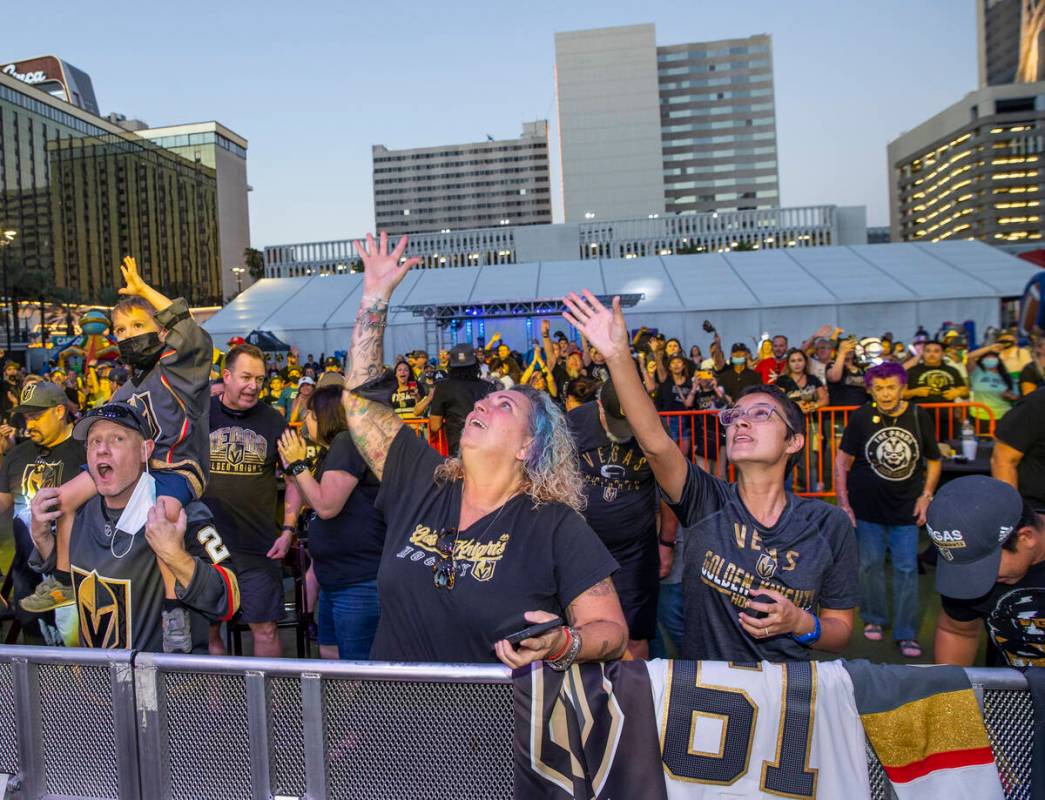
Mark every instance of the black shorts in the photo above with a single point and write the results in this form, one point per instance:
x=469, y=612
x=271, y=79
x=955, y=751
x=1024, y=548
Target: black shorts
x=638, y=588
x=260, y=591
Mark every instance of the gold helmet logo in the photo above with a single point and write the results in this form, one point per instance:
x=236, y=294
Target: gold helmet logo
x=104, y=605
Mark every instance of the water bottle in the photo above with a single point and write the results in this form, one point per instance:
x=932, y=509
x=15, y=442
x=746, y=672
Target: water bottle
x=968, y=439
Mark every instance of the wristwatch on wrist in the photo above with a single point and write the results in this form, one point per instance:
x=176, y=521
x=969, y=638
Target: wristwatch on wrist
x=291, y=529
x=811, y=638
x=297, y=467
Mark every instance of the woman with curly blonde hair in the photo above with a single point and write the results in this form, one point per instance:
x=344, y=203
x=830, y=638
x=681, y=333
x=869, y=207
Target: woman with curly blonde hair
x=486, y=544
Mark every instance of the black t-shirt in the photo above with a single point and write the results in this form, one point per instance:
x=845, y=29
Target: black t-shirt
x=346, y=549
x=798, y=393
x=1032, y=373
x=453, y=401
x=736, y=382
x=888, y=473
x=241, y=492
x=1015, y=619
x=670, y=396
x=809, y=556
x=404, y=400
x=517, y=559
x=28, y=467
x=1024, y=429
x=938, y=379
x=619, y=486
x=849, y=390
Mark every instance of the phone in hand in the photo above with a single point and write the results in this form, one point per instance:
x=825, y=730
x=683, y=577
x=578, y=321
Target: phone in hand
x=759, y=598
x=708, y=327
x=533, y=630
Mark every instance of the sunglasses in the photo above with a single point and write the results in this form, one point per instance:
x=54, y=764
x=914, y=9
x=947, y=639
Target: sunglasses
x=113, y=412
x=755, y=414
x=444, y=571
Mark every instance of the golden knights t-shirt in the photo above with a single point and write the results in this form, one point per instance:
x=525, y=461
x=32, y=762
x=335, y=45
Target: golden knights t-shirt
x=517, y=559
x=28, y=467
x=809, y=556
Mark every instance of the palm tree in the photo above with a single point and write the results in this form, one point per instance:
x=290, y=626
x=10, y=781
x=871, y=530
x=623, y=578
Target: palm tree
x=254, y=261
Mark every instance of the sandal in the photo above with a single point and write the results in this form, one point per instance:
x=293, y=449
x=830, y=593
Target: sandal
x=909, y=648
x=873, y=632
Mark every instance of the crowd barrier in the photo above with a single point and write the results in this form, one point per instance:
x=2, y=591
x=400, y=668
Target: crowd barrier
x=437, y=440
x=117, y=724
x=701, y=437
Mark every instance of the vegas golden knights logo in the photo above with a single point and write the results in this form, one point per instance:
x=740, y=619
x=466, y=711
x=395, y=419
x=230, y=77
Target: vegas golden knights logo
x=580, y=714
x=766, y=566
x=40, y=474
x=105, y=610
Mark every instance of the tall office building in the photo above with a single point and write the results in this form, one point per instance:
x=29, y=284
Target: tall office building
x=1010, y=41
x=476, y=185
x=678, y=129
x=973, y=171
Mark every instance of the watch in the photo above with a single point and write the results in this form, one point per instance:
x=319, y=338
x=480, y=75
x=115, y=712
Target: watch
x=297, y=467
x=291, y=529
x=811, y=638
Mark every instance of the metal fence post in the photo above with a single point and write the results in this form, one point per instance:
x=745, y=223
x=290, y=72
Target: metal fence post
x=30, y=735
x=121, y=676
x=314, y=728
x=150, y=704
x=259, y=729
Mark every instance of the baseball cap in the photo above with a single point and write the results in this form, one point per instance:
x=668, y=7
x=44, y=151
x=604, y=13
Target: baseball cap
x=707, y=364
x=305, y=380
x=330, y=379
x=968, y=520
x=40, y=395
x=615, y=421
x=120, y=413
x=462, y=355
x=739, y=346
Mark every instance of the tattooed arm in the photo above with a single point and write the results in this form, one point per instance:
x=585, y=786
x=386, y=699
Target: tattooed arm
x=373, y=426
x=595, y=615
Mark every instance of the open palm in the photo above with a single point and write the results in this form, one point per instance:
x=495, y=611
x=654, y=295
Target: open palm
x=382, y=271
x=604, y=329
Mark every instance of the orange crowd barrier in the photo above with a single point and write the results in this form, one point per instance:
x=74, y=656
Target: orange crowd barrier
x=437, y=440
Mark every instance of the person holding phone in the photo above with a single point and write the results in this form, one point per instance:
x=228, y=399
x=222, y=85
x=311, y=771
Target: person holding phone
x=482, y=545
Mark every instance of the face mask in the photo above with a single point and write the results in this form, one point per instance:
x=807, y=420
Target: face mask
x=738, y=361
x=990, y=362
x=141, y=351
x=135, y=514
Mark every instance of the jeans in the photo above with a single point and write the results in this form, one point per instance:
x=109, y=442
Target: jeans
x=348, y=617
x=670, y=620
x=872, y=539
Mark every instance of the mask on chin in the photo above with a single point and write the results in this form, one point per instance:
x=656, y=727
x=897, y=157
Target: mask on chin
x=141, y=352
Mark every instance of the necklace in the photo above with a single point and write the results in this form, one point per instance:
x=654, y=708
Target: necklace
x=500, y=508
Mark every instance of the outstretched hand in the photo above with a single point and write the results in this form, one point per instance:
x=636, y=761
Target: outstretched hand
x=604, y=328
x=382, y=272
x=135, y=284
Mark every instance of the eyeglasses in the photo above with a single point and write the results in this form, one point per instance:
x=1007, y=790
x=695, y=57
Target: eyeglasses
x=444, y=571
x=756, y=414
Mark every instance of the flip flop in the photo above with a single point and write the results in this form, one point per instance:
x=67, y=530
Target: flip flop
x=873, y=632
x=909, y=648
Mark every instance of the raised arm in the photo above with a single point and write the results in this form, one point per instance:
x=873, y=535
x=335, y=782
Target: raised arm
x=607, y=331
x=137, y=286
x=373, y=426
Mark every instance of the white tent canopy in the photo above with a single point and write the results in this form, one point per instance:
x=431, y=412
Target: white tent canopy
x=865, y=289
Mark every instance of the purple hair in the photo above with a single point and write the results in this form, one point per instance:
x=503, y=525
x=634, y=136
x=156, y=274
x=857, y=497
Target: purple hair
x=885, y=370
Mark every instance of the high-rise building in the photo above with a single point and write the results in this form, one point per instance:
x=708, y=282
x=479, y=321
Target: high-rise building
x=476, y=185
x=676, y=129
x=973, y=171
x=1010, y=45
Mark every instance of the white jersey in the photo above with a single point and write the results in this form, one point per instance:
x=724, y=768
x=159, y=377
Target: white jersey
x=758, y=731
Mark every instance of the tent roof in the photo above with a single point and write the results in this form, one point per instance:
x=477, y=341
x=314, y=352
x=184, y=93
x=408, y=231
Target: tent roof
x=902, y=272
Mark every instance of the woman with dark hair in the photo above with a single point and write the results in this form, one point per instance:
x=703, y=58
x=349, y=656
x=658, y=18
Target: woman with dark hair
x=991, y=383
x=768, y=574
x=485, y=544
x=345, y=532
x=809, y=394
x=537, y=375
x=886, y=470
x=409, y=397
x=671, y=396
x=579, y=391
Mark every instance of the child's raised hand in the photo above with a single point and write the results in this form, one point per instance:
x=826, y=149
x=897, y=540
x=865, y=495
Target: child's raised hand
x=135, y=284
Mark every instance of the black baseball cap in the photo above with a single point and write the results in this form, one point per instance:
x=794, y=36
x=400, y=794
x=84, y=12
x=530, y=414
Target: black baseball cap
x=120, y=413
x=462, y=355
x=968, y=520
x=616, y=423
x=38, y=396
x=737, y=346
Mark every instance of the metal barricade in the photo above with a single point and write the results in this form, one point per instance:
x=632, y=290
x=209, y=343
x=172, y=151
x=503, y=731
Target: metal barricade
x=435, y=440
x=113, y=724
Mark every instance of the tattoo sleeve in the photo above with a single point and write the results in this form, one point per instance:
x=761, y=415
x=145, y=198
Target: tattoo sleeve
x=368, y=333
x=372, y=427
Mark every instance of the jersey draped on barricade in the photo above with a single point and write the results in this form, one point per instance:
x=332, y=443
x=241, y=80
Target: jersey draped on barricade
x=141, y=726
x=686, y=729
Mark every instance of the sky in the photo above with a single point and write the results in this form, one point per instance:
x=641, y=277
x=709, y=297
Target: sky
x=313, y=84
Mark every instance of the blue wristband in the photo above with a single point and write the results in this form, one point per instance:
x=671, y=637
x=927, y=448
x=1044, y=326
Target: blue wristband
x=811, y=638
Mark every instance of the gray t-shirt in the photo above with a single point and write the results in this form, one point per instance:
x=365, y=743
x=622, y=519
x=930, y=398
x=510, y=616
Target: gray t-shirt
x=809, y=556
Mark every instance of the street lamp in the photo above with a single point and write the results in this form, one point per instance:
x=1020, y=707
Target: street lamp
x=239, y=278
x=5, y=242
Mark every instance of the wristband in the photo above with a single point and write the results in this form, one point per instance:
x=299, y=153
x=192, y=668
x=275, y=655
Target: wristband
x=811, y=638
x=562, y=650
x=665, y=544
x=291, y=529
x=295, y=468
x=565, y=661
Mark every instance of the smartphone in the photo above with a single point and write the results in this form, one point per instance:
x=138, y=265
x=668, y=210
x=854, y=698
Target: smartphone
x=708, y=327
x=759, y=598
x=533, y=630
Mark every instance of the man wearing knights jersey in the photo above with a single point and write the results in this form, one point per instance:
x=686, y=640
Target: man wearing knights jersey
x=119, y=538
x=768, y=575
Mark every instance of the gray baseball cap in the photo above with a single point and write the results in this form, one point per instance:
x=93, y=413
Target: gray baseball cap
x=38, y=396
x=968, y=521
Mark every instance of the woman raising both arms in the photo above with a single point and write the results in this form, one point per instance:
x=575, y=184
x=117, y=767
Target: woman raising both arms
x=484, y=545
x=768, y=575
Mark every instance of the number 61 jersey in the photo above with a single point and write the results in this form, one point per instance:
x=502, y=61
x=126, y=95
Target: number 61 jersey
x=758, y=730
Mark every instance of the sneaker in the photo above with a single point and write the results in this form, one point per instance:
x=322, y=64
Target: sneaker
x=177, y=632
x=49, y=595
x=909, y=648
x=873, y=632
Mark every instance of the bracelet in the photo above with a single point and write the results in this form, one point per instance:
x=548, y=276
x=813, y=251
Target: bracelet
x=295, y=468
x=565, y=662
x=811, y=638
x=665, y=544
x=291, y=529
x=564, y=648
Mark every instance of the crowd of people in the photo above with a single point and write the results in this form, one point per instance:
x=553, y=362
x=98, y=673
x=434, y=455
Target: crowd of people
x=575, y=502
